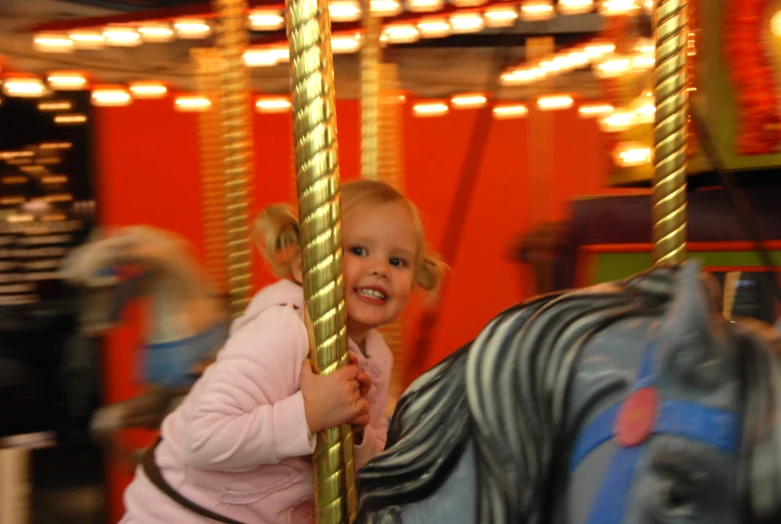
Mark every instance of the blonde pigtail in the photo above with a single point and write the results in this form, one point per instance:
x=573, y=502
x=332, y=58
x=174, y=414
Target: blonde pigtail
x=276, y=236
x=430, y=274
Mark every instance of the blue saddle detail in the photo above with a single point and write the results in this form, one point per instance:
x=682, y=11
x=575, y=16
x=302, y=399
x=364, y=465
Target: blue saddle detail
x=170, y=363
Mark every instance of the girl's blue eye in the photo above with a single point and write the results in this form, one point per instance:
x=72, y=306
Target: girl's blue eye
x=358, y=250
x=398, y=262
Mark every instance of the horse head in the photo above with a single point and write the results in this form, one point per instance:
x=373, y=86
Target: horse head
x=629, y=402
x=186, y=321
x=114, y=268
x=105, y=278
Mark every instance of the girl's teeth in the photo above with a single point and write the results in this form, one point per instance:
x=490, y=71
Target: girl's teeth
x=371, y=293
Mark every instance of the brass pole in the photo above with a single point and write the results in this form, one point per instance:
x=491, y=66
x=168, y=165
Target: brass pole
x=670, y=136
x=390, y=155
x=390, y=169
x=317, y=175
x=237, y=146
x=370, y=94
x=207, y=66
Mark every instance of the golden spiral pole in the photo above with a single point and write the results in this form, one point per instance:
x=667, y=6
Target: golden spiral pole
x=317, y=175
x=670, y=132
x=207, y=67
x=390, y=158
x=370, y=94
x=237, y=147
x=391, y=171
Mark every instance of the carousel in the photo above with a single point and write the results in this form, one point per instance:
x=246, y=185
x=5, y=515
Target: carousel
x=600, y=176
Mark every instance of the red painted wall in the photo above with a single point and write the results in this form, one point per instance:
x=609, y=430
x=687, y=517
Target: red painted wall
x=147, y=167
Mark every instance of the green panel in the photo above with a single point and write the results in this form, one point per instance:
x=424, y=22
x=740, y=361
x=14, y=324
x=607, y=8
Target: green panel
x=615, y=266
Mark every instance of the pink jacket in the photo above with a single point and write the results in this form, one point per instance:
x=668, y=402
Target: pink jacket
x=239, y=444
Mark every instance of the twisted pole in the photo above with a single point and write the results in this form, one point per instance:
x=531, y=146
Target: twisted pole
x=237, y=147
x=670, y=133
x=317, y=178
x=370, y=94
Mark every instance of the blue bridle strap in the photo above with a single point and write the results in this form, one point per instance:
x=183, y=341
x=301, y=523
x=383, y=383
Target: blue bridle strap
x=712, y=427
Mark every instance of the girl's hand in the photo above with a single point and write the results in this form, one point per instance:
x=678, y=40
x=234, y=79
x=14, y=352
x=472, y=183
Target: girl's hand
x=331, y=400
x=362, y=420
x=364, y=380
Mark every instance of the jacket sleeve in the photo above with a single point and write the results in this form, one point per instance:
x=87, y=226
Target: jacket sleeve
x=375, y=434
x=374, y=437
x=247, y=409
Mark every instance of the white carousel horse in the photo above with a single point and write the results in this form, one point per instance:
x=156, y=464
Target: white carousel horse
x=186, y=321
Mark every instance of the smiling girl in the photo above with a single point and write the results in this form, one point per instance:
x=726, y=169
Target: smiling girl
x=238, y=448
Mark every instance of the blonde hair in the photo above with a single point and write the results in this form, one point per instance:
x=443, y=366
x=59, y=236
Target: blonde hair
x=276, y=232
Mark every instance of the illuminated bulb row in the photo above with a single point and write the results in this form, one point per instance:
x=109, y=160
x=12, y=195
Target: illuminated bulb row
x=189, y=102
x=273, y=20
x=24, y=87
x=622, y=7
x=429, y=108
x=500, y=111
x=351, y=11
x=574, y=7
x=433, y=27
x=595, y=110
x=612, y=66
x=34, y=87
x=535, y=10
x=565, y=60
x=503, y=111
x=119, y=96
x=629, y=154
x=340, y=11
x=613, y=120
x=259, y=19
x=597, y=53
x=122, y=36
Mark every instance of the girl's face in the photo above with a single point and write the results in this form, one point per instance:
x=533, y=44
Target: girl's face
x=380, y=250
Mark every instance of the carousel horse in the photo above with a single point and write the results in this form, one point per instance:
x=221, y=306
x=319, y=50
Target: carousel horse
x=624, y=403
x=186, y=321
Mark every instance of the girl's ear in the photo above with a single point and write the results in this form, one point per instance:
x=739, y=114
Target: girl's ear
x=297, y=268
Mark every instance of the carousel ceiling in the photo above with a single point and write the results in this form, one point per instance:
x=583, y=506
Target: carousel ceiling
x=433, y=67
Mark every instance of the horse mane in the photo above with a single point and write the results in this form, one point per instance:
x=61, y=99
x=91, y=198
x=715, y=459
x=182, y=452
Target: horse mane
x=507, y=391
x=759, y=363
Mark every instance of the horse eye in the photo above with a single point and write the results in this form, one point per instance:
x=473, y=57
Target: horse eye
x=676, y=499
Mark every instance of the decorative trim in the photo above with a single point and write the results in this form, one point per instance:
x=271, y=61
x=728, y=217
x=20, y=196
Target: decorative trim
x=758, y=117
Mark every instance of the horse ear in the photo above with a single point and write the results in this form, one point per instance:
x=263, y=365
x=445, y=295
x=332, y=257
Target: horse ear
x=692, y=338
x=97, y=233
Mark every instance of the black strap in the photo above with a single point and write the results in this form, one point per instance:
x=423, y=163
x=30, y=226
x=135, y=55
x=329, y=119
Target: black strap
x=153, y=472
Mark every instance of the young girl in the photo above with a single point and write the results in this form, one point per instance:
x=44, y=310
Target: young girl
x=238, y=448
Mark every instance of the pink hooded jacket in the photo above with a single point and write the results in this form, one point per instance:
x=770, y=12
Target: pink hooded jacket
x=239, y=444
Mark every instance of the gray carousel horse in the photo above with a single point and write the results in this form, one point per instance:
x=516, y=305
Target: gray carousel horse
x=625, y=403
x=186, y=322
